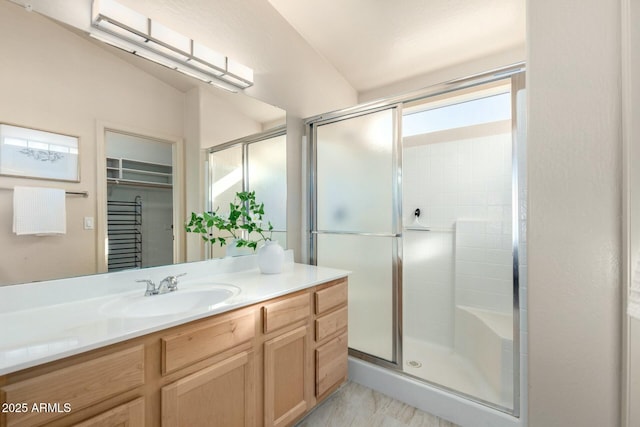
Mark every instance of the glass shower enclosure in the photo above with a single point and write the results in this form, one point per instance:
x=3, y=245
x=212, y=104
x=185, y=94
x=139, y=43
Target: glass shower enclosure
x=418, y=198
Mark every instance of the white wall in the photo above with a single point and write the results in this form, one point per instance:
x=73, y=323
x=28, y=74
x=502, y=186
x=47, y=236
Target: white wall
x=193, y=157
x=220, y=123
x=574, y=235
x=55, y=80
x=476, y=66
x=297, y=224
x=137, y=148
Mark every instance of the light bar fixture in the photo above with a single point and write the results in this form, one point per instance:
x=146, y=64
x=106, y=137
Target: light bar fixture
x=133, y=32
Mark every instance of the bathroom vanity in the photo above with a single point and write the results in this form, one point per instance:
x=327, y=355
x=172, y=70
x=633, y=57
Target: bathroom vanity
x=264, y=357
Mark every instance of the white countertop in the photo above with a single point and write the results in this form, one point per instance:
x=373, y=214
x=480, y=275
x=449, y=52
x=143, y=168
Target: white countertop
x=34, y=331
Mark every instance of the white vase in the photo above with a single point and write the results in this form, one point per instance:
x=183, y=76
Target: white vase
x=231, y=249
x=270, y=257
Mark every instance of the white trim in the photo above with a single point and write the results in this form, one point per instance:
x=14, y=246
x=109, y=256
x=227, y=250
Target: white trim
x=630, y=130
x=626, y=73
x=101, y=187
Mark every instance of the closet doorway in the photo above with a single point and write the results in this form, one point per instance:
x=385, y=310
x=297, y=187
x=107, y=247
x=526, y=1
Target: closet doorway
x=139, y=212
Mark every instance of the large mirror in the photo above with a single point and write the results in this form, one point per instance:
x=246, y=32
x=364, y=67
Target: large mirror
x=56, y=79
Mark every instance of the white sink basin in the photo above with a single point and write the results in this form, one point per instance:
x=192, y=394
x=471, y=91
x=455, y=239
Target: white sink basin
x=180, y=301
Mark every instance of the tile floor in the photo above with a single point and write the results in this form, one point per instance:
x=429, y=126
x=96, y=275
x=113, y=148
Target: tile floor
x=355, y=405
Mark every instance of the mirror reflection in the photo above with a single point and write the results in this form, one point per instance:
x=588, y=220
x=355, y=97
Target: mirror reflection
x=139, y=201
x=258, y=164
x=143, y=130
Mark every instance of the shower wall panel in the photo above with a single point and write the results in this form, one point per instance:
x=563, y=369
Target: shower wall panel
x=457, y=179
x=454, y=180
x=428, y=267
x=484, y=265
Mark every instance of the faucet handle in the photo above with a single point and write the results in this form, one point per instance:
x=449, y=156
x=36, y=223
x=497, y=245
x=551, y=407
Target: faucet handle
x=151, y=287
x=173, y=281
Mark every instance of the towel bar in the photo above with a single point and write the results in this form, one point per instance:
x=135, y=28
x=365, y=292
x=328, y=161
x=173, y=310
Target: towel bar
x=69, y=193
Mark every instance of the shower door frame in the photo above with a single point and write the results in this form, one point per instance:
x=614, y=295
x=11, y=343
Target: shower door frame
x=515, y=74
x=396, y=218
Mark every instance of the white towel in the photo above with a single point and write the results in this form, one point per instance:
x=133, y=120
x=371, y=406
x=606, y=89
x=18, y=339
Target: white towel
x=40, y=211
x=633, y=307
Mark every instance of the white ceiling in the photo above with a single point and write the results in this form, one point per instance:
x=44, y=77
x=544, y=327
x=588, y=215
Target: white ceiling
x=373, y=43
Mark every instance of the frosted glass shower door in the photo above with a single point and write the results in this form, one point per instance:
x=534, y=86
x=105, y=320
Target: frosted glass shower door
x=226, y=177
x=267, y=164
x=355, y=224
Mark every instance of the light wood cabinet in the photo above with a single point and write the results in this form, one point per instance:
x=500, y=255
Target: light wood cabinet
x=77, y=387
x=130, y=414
x=223, y=332
x=331, y=364
x=331, y=351
x=331, y=296
x=331, y=323
x=287, y=377
x=285, y=311
x=218, y=396
x=263, y=365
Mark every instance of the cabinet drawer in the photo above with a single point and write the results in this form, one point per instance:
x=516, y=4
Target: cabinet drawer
x=331, y=297
x=199, y=342
x=130, y=414
x=80, y=385
x=285, y=312
x=331, y=323
x=331, y=364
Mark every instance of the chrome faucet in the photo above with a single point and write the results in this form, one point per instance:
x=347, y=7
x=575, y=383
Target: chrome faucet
x=168, y=284
x=151, y=287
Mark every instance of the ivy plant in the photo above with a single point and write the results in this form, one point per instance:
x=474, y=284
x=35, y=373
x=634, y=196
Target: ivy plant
x=244, y=220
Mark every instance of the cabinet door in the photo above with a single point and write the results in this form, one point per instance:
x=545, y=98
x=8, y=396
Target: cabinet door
x=220, y=395
x=128, y=415
x=331, y=364
x=287, y=374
